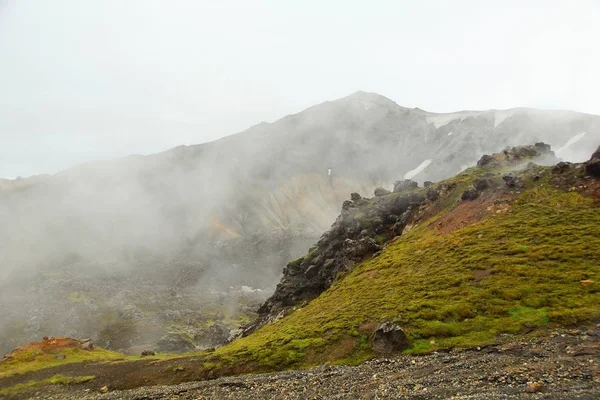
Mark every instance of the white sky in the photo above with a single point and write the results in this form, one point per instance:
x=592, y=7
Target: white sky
x=83, y=80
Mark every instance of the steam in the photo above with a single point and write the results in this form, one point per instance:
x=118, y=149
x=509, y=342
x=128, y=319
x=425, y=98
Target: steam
x=199, y=234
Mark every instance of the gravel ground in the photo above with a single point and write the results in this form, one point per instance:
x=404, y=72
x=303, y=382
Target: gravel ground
x=563, y=366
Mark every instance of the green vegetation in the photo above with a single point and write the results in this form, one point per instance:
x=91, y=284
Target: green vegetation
x=33, y=359
x=508, y=272
x=55, y=380
x=516, y=264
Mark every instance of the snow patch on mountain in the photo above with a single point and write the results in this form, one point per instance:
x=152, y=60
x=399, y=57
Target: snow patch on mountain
x=500, y=116
x=570, y=142
x=450, y=133
x=410, y=174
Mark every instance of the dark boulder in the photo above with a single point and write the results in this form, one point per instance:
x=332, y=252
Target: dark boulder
x=427, y=184
x=389, y=338
x=407, y=184
x=561, y=167
x=432, y=194
x=347, y=204
x=592, y=167
x=355, y=196
x=512, y=180
x=470, y=194
x=481, y=184
x=381, y=192
x=148, y=353
x=485, y=160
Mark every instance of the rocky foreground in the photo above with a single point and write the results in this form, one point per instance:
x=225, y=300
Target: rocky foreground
x=563, y=365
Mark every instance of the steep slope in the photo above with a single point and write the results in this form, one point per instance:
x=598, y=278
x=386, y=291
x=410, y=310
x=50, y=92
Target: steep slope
x=520, y=256
x=219, y=212
x=501, y=254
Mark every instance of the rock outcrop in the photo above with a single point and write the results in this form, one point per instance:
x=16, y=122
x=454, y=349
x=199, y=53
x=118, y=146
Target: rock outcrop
x=364, y=225
x=389, y=338
x=592, y=167
x=519, y=154
x=358, y=232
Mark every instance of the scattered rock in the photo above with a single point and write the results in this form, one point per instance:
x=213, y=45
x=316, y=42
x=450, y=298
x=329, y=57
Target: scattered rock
x=511, y=180
x=347, y=204
x=432, y=194
x=517, y=155
x=561, y=167
x=407, y=184
x=481, y=184
x=586, y=282
x=104, y=389
x=381, y=192
x=389, y=338
x=485, y=160
x=87, y=344
x=427, y=184
x=470, y=194
x=534, y=387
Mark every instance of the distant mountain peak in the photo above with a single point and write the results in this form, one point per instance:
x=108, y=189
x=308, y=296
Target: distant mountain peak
x=371, y=97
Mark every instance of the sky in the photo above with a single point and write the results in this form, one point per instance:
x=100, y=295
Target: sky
x=98, y=79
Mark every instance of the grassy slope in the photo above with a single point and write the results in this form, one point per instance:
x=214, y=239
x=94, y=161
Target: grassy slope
x=55, y=380
x=33, y=359
x=536, y=256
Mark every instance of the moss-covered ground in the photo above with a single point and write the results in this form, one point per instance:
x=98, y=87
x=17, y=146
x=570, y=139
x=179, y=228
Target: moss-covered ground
x=55, y=380
x=33, y=359
x=508, y=272
x=517, y=266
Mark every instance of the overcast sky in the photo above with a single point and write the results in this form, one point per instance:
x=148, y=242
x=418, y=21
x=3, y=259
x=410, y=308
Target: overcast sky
x=85, y=80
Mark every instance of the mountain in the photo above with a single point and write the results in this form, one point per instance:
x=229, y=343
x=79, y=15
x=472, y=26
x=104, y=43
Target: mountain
x=485, y=273
x=192, y=240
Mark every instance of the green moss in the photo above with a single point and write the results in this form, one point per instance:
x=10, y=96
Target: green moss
x=381, y=239
x=55, y=380
x=536, y=255
x=33, y=360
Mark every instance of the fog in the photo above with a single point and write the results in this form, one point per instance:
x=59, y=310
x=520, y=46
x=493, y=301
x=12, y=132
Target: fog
x=189, y=238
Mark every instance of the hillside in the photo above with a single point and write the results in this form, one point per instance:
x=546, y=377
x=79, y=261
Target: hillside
x=503, y=254
x=201, y=226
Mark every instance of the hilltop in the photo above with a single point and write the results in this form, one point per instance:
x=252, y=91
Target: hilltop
x=501, y=257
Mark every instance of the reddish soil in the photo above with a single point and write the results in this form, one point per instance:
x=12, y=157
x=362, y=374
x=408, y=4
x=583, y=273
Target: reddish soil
x=469, y=212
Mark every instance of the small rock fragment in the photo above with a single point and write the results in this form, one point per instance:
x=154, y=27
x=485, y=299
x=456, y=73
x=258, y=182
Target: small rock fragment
x=381, y=192
x=534, y=387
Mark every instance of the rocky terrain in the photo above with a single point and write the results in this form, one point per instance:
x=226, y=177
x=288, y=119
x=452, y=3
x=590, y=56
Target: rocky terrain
x=197, y=224
x=366, y=224
x=484, y=285
x=564, y=364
